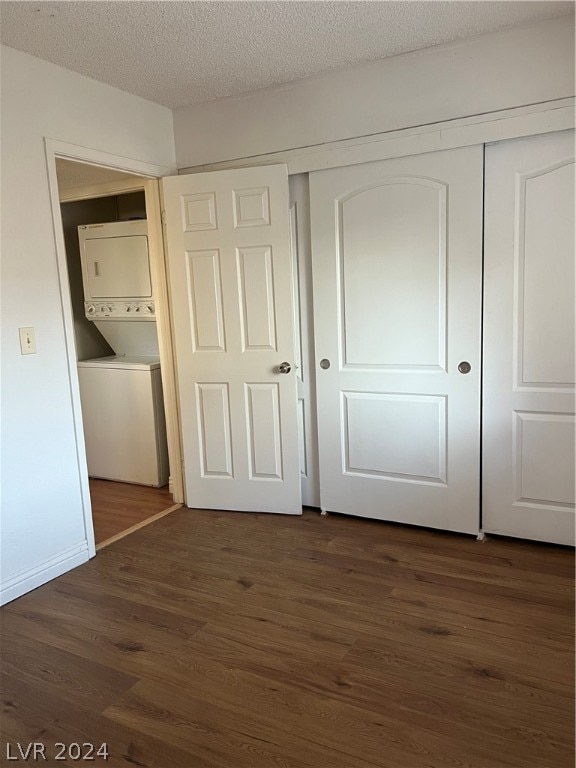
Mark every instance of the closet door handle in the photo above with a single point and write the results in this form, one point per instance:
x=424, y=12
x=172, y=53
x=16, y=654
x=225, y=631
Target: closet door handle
x=464, y=367
x=284, y=368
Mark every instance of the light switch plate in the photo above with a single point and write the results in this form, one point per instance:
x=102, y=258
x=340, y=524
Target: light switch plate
x=27, y=341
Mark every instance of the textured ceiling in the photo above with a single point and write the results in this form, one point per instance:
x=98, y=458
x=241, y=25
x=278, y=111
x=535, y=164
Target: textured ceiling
x=181, y=53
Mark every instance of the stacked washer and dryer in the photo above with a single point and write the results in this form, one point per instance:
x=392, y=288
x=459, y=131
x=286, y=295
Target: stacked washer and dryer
x=121, y=395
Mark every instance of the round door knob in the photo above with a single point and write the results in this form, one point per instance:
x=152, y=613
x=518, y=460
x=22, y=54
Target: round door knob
x=284, y=368
x=324, y=364
x=464, y=367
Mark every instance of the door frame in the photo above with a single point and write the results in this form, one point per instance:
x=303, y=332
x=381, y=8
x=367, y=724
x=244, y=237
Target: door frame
x=149, y=174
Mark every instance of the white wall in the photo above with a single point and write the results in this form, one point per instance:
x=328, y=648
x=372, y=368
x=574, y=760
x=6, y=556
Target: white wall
x=504, y=69
x=42, y=522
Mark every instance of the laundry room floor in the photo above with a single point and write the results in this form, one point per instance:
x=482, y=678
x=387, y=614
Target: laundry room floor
x=116, y=507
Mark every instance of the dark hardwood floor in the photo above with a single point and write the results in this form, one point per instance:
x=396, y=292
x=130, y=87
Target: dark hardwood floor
x=227, y=640
x=116, y=507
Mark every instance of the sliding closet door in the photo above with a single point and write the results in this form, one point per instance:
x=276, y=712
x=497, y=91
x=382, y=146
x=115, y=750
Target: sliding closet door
x=304, y=337
x=528, y=480
x=397, y=268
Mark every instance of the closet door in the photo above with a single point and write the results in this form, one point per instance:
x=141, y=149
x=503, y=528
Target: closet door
x=304, y=337
x=528, y=446
x=397, y=269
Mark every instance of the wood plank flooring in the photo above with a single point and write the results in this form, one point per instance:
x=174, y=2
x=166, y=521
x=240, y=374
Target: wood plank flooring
x=228, y=640
x=116, y=507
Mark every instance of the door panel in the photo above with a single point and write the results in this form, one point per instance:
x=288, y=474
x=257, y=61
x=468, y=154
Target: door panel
x=213, y=405
x=529, y=345
x=393, y=248
x=264, y=431
x=397, y=284
x=368, y=416
x=205, y=300
x=231, y=289
x=258, y=313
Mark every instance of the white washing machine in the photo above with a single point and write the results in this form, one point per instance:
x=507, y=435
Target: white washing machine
x=124, y=422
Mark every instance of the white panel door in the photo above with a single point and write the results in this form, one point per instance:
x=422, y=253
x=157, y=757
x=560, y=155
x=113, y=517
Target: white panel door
x=397, y=266
x=528, y=433
x=228, y=246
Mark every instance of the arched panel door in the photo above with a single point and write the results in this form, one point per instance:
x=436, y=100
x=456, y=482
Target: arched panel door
x=397, y=259
x=529, y=343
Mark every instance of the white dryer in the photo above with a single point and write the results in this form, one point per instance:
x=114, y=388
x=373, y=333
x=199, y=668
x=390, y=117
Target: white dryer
x=118, y=296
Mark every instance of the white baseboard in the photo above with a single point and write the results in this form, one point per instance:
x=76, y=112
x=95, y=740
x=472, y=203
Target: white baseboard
x=25, y=581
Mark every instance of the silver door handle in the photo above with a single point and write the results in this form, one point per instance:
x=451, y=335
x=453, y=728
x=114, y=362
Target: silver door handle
x=284, y=368
x=464, y=367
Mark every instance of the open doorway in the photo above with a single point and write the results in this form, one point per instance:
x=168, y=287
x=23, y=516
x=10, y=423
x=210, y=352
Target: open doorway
x=110, y=281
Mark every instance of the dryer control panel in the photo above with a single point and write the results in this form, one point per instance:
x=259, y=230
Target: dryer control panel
x=115, y=310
